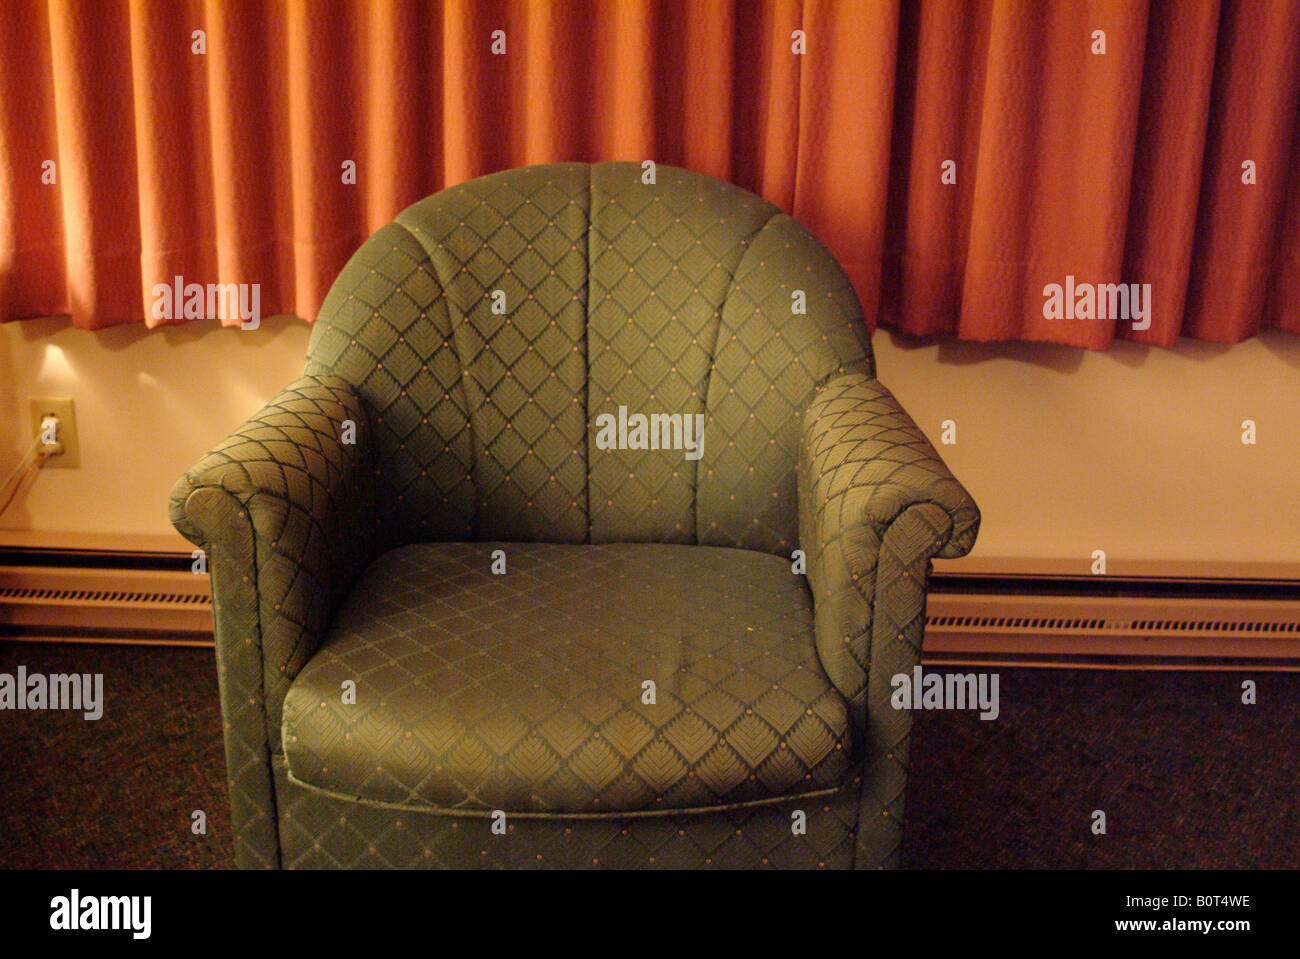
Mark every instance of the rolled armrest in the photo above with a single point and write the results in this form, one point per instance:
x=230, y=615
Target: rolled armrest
x=284, y=509
x=876, y=503
x=863, y=466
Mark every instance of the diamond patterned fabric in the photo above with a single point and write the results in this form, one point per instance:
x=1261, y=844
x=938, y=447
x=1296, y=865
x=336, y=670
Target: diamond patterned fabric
x=663, y=257
x=768, y=362
x=862, y=462
x=282, y=509
x=526, y=691
x=317, y=831
x=449, y=407
x=463, y=327
x=672, y=298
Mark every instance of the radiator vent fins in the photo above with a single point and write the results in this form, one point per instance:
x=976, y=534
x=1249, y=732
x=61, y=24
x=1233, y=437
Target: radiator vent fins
x=116, y=597
x=1038, y=624
x=87, y=604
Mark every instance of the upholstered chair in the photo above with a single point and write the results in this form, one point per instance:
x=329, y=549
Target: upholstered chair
x=587, y=538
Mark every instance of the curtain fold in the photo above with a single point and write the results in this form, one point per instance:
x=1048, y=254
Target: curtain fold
x=961, y=158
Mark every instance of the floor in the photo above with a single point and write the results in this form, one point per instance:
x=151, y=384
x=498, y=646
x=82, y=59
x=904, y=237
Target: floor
x=1187, y=775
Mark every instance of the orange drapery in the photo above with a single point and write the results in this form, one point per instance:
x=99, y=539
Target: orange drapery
x=224, y=166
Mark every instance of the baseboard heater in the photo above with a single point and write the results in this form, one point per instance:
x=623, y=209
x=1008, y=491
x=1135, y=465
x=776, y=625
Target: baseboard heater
x=1100, y=622
x=1106, y=622
x=98, y=596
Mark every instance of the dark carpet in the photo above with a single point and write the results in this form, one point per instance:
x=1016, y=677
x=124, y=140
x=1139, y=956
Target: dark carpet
x=1187, y=775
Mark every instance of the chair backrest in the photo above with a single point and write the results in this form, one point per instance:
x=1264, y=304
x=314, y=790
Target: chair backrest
x=506, y=334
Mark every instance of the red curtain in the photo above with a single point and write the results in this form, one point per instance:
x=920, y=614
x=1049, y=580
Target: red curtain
x=961, y=159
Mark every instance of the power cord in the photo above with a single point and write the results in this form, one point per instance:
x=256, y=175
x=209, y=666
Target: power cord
x=24, y=467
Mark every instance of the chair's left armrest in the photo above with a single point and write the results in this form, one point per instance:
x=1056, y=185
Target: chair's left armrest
x=876, y=503
x=866, y=471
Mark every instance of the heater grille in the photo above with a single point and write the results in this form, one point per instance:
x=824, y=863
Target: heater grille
x=17, y=594
x=1143, y=626
x=1037, y=628
x=105, y=605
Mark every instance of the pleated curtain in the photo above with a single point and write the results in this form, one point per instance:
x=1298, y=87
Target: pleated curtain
x=959, y=158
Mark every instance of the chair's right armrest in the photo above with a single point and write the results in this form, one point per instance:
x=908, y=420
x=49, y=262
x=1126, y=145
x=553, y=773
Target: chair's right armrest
x=284, y=510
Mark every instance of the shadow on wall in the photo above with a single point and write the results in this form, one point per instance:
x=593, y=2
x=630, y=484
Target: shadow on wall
x=126, y=335
x=1067, y=359
x=1061, y=359
x=188, y=383
x=9, y=408
x=1052, y=356
x=1285, y=346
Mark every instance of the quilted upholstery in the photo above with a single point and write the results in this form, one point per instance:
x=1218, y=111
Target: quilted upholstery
x=658, y=298
x=862, y=462
x=452, y=389
x=323, y=832
x=875, y=504
x=525, y=691
x=478, y=418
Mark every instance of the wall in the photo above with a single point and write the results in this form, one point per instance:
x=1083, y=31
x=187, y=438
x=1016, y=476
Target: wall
x=148, y=404
x=1136, y=451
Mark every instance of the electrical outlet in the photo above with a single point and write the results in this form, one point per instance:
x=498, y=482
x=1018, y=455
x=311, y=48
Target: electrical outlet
x=70, y=456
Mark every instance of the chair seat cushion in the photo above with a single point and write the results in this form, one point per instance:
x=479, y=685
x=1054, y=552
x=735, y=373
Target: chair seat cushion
x=585, y=679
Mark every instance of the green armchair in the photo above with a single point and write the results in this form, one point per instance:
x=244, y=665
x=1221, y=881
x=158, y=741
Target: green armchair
x=588, y=538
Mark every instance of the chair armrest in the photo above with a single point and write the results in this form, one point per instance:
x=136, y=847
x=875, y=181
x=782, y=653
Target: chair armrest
x=284, y=510
x=876, y=503
x=863, y=466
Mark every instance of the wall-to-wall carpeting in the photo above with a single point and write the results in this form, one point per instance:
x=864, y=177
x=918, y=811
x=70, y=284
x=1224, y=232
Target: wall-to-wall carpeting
x=117, y=792
x=1187, y=775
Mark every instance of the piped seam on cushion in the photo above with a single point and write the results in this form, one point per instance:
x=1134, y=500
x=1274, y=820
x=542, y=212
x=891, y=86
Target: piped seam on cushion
x=612, y=814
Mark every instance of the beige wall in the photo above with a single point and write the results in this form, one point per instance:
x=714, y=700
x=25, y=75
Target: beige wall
x=147, y=405
x=1135, y=451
